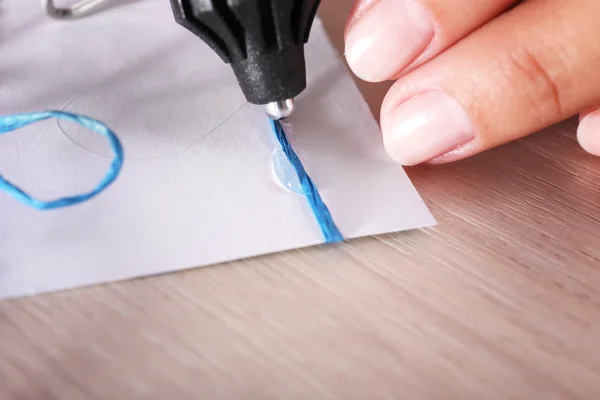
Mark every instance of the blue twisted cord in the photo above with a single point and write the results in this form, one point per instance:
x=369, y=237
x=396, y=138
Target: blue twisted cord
x=330, y=231
x=9, y=123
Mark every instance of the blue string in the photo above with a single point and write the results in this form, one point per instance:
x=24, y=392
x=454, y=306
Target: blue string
x=330, y=231
x=9, y=123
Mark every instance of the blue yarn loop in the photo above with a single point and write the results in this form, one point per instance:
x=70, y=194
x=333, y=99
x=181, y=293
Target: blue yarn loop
x=10, y=123
x=330, y=231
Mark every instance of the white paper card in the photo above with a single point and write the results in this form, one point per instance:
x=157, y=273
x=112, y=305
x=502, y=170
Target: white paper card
x=197, y=186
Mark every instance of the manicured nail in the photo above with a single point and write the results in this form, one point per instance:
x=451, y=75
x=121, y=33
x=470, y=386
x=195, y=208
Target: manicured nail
x=387, y=38
x=588, y=133
x=425, y=127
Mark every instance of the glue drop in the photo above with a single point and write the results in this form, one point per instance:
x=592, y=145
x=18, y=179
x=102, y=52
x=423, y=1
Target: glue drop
x=285, y=173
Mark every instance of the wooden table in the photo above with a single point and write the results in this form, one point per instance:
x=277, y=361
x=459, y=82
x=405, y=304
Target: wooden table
x=500, y=301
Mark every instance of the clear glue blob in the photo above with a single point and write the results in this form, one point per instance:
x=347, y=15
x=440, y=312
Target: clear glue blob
x=285, y=173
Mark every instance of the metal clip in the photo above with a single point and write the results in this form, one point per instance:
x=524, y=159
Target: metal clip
x=77, y=10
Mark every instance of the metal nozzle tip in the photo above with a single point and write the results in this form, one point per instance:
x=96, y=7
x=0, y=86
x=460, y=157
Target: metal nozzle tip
x=280, y=109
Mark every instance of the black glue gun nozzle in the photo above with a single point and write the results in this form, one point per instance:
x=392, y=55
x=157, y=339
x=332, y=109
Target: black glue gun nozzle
x=262, y=40
x=280, y=109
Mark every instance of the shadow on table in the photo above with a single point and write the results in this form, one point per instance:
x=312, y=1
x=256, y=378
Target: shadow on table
x=533, y=202
x=551, y=158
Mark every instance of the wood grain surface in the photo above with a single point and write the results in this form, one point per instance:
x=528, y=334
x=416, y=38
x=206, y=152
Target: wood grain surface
x=500, y=301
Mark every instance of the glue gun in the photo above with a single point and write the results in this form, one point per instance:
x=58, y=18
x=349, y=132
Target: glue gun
x=263, y=40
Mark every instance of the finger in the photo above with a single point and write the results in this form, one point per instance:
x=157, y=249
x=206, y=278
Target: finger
x=529, y=68
x=588, y=132
x=384, y=37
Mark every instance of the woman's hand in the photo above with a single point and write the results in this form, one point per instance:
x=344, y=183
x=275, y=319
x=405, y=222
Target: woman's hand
x=473, y=75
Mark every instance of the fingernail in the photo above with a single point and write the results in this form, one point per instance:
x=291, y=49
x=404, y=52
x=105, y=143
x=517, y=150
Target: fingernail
x=387, y=38
x=588, y=133
x=425, y=127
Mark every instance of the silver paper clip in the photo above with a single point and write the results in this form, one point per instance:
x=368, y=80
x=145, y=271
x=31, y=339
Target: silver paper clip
x=77, y=10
